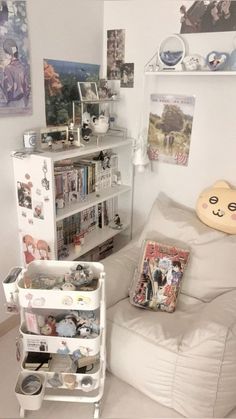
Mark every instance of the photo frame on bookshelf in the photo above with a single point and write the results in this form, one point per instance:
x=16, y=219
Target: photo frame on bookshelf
x=88, y=91
x=74, y=196
x=54, y=137
x=104, y=91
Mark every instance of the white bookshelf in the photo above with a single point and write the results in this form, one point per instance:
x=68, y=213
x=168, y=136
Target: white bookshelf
x=30, y=173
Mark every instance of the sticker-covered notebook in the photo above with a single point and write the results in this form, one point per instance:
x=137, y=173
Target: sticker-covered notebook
x=157, y=280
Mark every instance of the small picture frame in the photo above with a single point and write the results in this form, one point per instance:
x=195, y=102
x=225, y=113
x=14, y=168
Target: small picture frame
x=32, y=322
x=54, y=137
x=88, y=91
x=73, y=197
x=104, y=91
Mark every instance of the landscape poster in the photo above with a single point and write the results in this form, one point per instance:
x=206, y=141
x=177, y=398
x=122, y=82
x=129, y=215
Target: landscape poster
x=61, y=87
x=170, y=128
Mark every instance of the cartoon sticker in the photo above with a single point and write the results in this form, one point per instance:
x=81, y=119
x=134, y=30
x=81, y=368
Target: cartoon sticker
x=38, y=210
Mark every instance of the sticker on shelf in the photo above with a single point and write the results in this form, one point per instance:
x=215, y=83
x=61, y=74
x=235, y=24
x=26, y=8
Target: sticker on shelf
x=38, y=210
x=63, y=349
x=35, y=249
x=45, y=181
x=36, y=345
x=39, y=302
x=67, y=300
x=24, y=195
x=83, y=301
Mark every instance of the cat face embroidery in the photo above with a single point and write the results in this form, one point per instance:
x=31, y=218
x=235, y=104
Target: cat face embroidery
x=216, y=207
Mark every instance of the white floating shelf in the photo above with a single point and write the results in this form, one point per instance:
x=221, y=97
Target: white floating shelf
x=104, y=143
x=190, y=73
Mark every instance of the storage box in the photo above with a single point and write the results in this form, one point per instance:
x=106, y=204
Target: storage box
x=54, y=298
x=58, y=379
x=58, y=344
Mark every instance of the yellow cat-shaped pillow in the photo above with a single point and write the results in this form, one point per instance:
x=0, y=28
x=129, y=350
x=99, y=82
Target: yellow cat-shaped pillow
x=216, y=207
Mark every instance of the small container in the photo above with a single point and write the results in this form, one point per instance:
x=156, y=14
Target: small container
x=10, y=283
x=87, y=383
x=31, y=384
x=30, y=139
x=70, y=381
x=27, y=400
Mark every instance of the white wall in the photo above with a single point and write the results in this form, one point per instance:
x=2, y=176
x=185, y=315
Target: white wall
x=68, y=30
x=213, y=144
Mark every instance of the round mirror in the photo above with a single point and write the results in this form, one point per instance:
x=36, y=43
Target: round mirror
x=171, y=51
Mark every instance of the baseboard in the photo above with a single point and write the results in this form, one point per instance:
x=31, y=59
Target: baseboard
x=9, y=324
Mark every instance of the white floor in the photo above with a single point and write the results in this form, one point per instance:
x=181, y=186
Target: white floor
x=120, y=400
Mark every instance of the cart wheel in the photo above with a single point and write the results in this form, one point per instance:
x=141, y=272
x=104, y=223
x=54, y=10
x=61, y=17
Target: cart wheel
x=96, y=413
x=22, y=412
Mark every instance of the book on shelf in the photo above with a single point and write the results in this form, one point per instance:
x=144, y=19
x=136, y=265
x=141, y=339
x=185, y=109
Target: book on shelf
x=82, y=177
x=37, y=361
x=85, y=221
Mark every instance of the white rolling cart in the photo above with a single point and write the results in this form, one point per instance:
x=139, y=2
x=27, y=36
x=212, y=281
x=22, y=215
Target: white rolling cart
x=23, y=289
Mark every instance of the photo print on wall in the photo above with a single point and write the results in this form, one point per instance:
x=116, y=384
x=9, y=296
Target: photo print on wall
x=127, y=75
x=170, y=128
x=115, y=53
x=15, y=83
x=207, y=16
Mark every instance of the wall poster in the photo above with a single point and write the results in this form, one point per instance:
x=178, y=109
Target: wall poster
x=207, y=16
x=170, y=128
x=15, y=84
x=115, y=53
x=61, y=87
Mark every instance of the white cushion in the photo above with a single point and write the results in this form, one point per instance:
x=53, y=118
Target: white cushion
x=119, y=269
x=185, y=360
x=212, y=265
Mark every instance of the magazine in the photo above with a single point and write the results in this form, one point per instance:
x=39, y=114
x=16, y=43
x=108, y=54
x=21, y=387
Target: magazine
x=158, y=278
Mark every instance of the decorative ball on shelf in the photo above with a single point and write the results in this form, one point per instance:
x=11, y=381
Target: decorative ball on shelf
x=217, y=60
